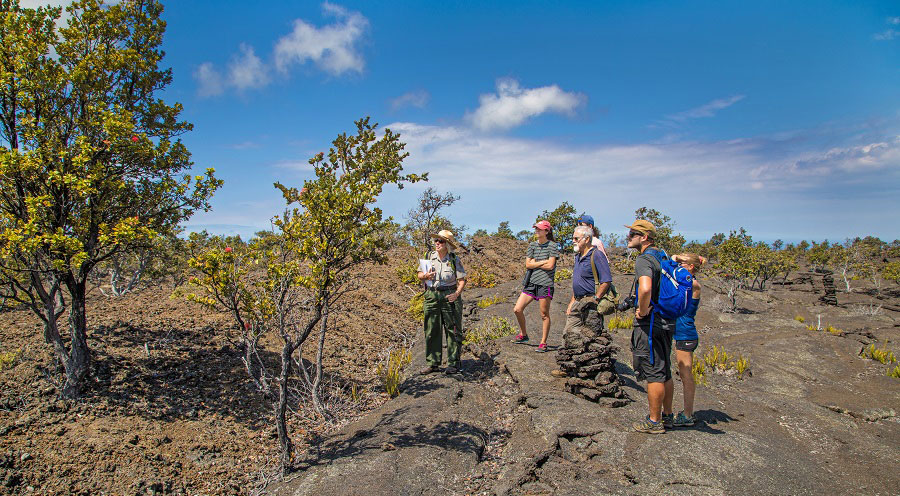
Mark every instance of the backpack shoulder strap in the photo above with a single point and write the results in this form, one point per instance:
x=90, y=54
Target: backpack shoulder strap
x=590, y=253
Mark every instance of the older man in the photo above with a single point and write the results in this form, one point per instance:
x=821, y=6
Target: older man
x=586, y=289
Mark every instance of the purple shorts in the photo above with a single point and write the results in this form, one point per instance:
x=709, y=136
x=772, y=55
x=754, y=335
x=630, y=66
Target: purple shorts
x=538, y=292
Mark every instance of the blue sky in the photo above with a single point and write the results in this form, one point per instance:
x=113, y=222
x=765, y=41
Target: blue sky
x=781, y=117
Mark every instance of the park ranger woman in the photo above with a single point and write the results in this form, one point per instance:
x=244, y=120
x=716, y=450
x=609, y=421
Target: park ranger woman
x=444, y=279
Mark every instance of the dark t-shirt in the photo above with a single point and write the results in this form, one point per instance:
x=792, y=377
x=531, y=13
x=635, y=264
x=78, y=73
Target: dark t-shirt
x=583, y=276
x=647, y=265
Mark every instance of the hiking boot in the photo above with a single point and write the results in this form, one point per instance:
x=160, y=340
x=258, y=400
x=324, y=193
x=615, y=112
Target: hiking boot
x=648, y=426
x=451, y=369
x=668, y=420
x=682, y=420
x=559, y=373
x=542, y=348
x=429, y=370
x=520, y=338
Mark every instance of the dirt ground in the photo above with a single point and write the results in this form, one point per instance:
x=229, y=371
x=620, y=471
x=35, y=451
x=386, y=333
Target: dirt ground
x=170, y=409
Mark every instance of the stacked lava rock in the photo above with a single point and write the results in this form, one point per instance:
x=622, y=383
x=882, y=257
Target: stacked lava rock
x=830, y=296
x=587, y=360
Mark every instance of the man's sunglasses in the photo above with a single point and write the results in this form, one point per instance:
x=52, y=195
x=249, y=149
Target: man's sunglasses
x=632, y=234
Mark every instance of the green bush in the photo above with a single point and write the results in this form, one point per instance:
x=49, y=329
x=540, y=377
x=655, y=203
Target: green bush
x=496, y=327
x=491, y=300
x=562, y=275
x=408, y=273
x=391, y=370
x=416, y=307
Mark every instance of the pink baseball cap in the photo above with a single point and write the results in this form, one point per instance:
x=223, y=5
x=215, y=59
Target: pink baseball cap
x=543, y=224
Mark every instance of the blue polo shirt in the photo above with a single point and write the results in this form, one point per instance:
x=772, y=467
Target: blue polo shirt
x=583, y=277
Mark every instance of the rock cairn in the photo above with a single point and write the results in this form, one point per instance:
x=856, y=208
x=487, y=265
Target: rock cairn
x=587, y=359
x=830, y=296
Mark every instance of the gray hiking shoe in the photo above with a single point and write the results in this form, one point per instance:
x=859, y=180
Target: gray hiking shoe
x=682, y=420
x=648, y=426
x=668, y=420
x=451, y=369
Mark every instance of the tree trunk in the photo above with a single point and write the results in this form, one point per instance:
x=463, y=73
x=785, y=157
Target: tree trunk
x=317, y=402
x=79, y=359
x=284, y=438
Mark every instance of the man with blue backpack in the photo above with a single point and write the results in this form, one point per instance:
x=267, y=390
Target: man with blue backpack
x=662, y=293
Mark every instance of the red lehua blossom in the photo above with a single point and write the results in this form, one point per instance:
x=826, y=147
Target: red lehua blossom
x=105, y=142
x=246, y=325
x=227, y=249
x=134, y=138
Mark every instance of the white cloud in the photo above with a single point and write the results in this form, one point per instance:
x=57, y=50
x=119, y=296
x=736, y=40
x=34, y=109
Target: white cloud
x=210, y=80
x=461, y=159
x=418, y=99
x=333, y=48
x=246, y=70
x=893, y=20
x=512, y=105
x=705, y=110
x=887, y=35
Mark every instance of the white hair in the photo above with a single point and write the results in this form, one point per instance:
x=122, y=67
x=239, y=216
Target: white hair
x=584, y=231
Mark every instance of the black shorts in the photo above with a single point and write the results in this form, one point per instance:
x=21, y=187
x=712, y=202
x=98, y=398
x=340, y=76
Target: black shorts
x=687, y=344
x=538, y=292
x=661, y=368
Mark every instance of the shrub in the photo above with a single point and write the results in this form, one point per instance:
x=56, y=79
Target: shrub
x=623, y=322
x=486, y=302
x=698, y=371
x=800, y=318
x=882, y=355
x=416, y=307
x=8, y=358
x=861, y=310
x=741, y=365
x=408, y=273
x=562, y=275
x=391, y=370
x=479, y=277
x=895, y=372
x=833, y=330
x=811, y=328
x=496, y=327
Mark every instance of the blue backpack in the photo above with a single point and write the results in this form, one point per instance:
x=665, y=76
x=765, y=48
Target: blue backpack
x=676, y=288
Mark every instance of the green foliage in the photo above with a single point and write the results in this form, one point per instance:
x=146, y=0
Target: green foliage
x=390, y=372
x=480, y=232
x=562, y=275
x=882, y=355
x=479, y=276
x=8, y=358
x=719, y=360
x=736, y=263
x=408, y=272
x=620, y=321
x=698, y=371
x=491, y=300
x=503, y=231
x=496, y=327
x=891, y=271
x=563, y=219
x=416, y=307
x=524, y=235
x=895, y=372
x=92, y=165
x=665, y=237
x=800, y=318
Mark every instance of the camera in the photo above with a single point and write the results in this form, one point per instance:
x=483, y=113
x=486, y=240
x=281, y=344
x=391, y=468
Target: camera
x=626, y=303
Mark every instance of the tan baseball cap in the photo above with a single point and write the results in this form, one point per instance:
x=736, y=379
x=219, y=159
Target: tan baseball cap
x=642, y=226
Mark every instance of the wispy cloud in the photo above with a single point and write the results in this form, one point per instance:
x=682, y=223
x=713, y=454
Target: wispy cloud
x=512, y=105
x=463, y=159
x=886, y=35
x=706, y=110
x=333, y=48
x=890, y=33
x=418, y=99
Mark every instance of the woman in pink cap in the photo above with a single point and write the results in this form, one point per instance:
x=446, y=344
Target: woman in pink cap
x=540, y=262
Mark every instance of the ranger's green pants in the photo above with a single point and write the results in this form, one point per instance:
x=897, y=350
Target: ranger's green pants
x=441, y=317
